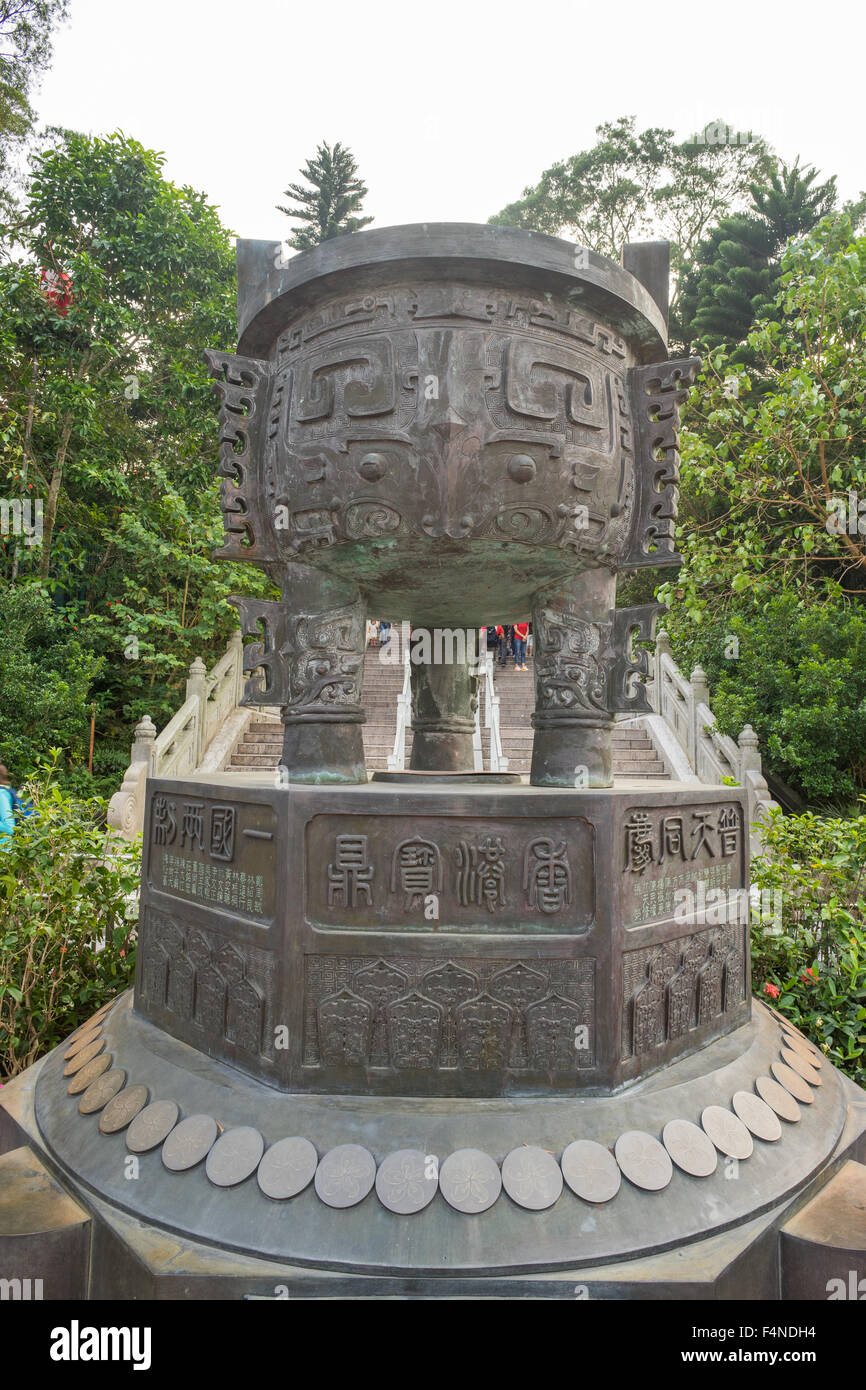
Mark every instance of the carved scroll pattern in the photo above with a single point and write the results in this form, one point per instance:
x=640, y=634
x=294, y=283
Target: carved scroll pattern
x=657, y=392
x=242, y=384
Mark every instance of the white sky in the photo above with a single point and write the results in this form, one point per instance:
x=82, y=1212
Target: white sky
x=450, y=108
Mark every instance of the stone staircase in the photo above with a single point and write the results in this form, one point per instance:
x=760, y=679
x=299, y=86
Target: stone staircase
x=634, y=753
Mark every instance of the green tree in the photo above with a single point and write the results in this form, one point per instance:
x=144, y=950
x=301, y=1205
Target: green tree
x=773, y=522
x=107, y=416
x=734, y=275
x=26, y=35
x=797, y=673
x=329, y=205
x=46, y=676
x=632, y=185
x=769, y=469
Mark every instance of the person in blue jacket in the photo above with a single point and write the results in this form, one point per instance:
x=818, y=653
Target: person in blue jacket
x=7, y=808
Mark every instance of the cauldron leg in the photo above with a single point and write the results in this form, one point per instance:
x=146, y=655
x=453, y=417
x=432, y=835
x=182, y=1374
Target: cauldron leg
x=573, y=660
x=323, y=655
x=444, y=700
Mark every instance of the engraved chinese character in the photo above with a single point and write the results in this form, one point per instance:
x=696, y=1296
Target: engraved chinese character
x=638, y=842
x=222, y=832
x=729, y=830
x=673, y=843
x=702, y=829
x=547, y=875
x=164, y=823
x=481, y=873
x=192, y=824
x=417, y=870
x=350, y=875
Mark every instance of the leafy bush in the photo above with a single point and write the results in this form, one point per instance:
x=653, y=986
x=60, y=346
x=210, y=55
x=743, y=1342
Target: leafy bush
x=46, y=674
x=66, y=933
x=813, y=968
x=798, y=677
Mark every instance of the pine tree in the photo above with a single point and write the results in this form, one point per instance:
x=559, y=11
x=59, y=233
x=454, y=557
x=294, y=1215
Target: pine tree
x=733, y=279
x=329, y=205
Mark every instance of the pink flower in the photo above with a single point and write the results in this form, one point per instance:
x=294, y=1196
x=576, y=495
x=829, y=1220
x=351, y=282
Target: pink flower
x=809, y=977
x=772, y=990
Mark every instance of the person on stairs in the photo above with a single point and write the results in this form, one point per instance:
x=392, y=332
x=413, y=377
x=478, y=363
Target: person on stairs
x=521, y=632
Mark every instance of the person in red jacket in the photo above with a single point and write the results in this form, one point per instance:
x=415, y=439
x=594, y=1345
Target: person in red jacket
x=521, y=632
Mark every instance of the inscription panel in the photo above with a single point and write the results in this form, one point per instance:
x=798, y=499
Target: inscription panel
x=681, y=861
x=213, y=851
x=449, y=873
x=439, y=1015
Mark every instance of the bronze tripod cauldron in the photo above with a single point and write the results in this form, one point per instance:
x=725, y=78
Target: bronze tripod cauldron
x=449, y=425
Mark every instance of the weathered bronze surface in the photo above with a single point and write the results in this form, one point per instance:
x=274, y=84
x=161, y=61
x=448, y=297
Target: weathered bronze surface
x=101, y=1091
x=643, y=1160
x=407, y=1181
x=730, y=1135
x=287, y=1168
x=89, y=1072
x=345, y=1175
x=470, y=1181
x=757, y=1116
x=444, y=939
x=449, y=425
x=778, y=1098
x=88, y=1052
x=235, y=1156
x=122, y=1110
x=84, y=1040
x=792, y=1082
x=690, y=1148
x=189, y=1142
x=591, y=1170
x=532, y=1177
x=152, y=1126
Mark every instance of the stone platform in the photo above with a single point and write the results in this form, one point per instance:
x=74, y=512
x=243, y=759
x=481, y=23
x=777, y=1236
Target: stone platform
x=175, y=1233
x=438, y=1037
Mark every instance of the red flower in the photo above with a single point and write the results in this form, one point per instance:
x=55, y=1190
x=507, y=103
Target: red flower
x=809, y=977
x=57, y=288
x=772, y=990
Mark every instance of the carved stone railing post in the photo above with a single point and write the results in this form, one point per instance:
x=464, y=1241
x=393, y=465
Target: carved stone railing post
x=196, y=689
x=699, y=695
x=142, y=748
x=236, y=647
x=126, y=807
x=753, y=779
x=654, y=687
